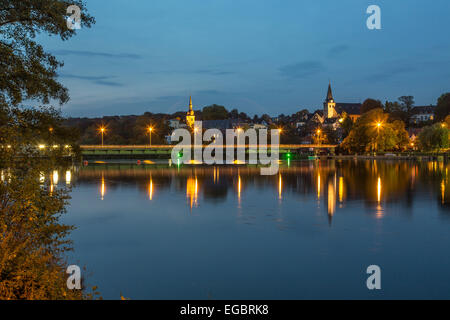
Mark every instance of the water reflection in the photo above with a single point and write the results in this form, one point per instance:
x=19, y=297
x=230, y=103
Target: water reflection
x=103, y=187
x=150, y=189
x=192, y=192
x=68, y=177
x=376, y=183
x=302, y=221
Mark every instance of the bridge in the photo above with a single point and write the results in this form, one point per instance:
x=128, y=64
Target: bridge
x=165, y=151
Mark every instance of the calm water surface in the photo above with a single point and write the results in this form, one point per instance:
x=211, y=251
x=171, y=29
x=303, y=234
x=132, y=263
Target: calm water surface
x=194, y=232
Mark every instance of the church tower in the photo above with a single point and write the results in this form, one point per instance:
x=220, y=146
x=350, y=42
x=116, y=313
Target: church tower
x=329, y=106
x=190, y=116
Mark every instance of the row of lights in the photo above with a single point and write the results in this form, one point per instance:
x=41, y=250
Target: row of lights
x=43, y=146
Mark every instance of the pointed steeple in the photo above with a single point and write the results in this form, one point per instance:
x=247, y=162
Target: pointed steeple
x=330, y=93
x=190, y=116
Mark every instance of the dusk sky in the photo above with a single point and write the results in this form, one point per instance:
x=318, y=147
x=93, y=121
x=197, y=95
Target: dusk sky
x=260, y=57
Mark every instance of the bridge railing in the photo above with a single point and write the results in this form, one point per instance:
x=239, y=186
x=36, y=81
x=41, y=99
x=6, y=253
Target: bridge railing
x=281, y=146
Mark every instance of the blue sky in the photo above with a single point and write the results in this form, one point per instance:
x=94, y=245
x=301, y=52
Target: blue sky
x=260, y=57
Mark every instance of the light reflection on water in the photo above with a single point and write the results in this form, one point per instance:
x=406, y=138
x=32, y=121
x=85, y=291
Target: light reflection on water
x=226, y=231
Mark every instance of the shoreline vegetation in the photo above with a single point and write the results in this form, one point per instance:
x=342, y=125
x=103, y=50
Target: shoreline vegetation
x=33, y=241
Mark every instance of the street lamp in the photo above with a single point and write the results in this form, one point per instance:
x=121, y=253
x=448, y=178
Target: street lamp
x=379, y=124
x=318, y=135
x=102, y=131
x=150, y=129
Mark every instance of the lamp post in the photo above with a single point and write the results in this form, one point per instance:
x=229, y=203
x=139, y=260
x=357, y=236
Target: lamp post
x=378, y=125
x=150, y=129
x=318, y=135
x=102, y=131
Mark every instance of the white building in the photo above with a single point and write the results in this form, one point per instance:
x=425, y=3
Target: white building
x=422, y=114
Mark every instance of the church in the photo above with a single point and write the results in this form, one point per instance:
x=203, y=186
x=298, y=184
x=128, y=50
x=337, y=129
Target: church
x=333, y=109
x=190, y=116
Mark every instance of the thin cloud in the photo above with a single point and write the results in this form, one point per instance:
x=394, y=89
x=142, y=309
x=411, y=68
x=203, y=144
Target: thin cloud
x=302, y=69
x=211, y=72
x=390, y=73
x=96, y=54
x=338, y=50
x=214, y=72
x=100, y=80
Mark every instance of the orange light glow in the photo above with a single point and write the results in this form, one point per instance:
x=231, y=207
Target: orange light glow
x=341, y=189
x=192, y=191
x=280, y=187
x=150, y=190
x=379, y=190
x=103, y=188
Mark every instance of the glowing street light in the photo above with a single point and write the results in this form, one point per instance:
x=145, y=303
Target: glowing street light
x=150, y=129
x=102, y=131
x=378, y=124
x=318, y=135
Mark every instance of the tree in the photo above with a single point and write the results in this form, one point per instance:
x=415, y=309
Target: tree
x=370, y=104
x=434, y=138
x=214, y=112
x=407, y=102
x=33, y=242
x=390, y=107
x=266, y=118
x=443, y=107
x=346, y=124
x=330, y=135
x=26, y=70
x=373, y=132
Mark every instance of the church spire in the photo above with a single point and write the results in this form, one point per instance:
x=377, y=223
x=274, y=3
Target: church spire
x=330, y=93
x=190, y=103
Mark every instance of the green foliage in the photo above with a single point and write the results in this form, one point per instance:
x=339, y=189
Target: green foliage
x=214, y=112
x=346, y=125
x=373, y=132
x=330, y=135
x=434, y=138
x=370, y=104
x=32, y=241
x=26, y=70
x=443, y=107
x=123, y=130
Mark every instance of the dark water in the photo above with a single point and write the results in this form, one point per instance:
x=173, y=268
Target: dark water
x=196, y=232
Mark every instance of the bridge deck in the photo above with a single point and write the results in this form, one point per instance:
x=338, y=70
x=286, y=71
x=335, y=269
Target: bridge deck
x=147, y=147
